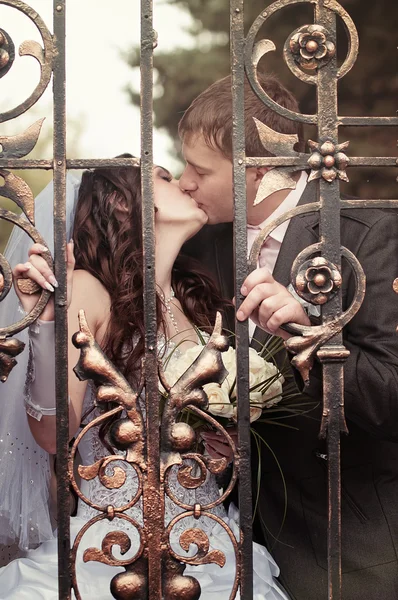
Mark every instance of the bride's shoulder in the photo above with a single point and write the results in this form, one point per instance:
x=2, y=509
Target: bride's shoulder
x=85, y=280
x=89, y=292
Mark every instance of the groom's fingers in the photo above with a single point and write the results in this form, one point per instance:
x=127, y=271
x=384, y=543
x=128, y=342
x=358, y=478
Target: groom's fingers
x=256, y=277
x=254, y=298
x=277, y=311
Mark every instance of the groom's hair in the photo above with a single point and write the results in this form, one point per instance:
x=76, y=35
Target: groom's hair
x=210, y=115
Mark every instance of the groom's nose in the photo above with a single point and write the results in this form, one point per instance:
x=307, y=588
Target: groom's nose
x=187, y=183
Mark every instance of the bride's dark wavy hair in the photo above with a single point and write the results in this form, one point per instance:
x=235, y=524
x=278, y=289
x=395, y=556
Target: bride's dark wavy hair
x=110, y=248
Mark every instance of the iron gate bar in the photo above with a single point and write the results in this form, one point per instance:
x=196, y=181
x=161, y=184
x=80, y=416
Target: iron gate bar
x=153, y=502
x=288, y=161
x=333, y=374
x=240, y=269
x=60, y=302
x=269, y=161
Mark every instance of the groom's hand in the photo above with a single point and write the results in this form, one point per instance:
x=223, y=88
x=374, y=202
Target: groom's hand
x=269, y=304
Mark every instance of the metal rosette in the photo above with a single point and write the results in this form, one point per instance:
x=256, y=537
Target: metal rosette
x=7, y=52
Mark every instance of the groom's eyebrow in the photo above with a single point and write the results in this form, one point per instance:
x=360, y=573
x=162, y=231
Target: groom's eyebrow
x=196, y=166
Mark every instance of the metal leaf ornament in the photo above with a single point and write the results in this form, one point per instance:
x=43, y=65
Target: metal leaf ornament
x=278, y=144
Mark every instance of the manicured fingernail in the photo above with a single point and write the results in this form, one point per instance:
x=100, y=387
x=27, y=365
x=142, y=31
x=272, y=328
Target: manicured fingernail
x=240, y=315
x=49, y=286
x=27, y=266
x=243, y=290
x=71, y=241
x=43, y=248
x=53, y=280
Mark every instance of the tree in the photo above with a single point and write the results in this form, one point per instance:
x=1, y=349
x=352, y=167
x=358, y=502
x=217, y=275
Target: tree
x=371, y=87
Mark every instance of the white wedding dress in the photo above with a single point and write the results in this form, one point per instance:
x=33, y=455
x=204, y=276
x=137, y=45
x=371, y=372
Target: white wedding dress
x=35, y=577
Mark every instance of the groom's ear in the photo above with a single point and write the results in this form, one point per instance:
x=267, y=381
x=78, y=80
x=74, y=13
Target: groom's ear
x=254, y=176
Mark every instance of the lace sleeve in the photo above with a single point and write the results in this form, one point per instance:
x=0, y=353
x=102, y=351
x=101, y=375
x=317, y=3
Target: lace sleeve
x=39, y=389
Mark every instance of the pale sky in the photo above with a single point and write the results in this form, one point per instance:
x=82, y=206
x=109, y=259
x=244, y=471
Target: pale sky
x=98, y=32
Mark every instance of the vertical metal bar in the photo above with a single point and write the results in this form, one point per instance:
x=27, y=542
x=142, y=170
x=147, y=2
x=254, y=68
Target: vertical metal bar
x=241, y=329
x=332, y=356
x=153, y=502
x=61, y=325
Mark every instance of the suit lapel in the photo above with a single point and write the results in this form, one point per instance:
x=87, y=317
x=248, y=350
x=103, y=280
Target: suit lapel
x=223, y=252
x=301, y=232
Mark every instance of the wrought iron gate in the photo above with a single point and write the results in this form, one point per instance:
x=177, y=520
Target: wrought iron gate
x=310, y=53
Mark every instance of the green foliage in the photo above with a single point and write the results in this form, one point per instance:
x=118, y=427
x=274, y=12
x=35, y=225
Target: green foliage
x=371, y=87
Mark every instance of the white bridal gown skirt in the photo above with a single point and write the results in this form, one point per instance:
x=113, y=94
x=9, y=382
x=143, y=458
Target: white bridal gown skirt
x=36, y=576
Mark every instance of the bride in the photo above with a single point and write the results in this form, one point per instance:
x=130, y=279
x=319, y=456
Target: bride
x=105, y=279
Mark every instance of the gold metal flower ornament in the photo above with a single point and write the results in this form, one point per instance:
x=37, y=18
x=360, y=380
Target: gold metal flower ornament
x=7, y=52
x=312, y=47
x=317, y=280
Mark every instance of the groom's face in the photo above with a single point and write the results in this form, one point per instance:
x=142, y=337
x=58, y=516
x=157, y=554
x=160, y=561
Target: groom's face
x=207, y=177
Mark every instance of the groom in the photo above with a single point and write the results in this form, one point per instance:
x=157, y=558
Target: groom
x=370, y=452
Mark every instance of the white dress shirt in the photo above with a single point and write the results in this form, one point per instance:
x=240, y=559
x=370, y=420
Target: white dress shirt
x=270, y=249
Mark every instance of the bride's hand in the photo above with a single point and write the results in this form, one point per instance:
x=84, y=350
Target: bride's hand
x=37, y=270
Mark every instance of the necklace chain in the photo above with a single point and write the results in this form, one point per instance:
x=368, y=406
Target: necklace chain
x=167, y=302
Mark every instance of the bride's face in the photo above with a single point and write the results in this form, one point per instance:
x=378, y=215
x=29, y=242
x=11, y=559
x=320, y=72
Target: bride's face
x=175, y=207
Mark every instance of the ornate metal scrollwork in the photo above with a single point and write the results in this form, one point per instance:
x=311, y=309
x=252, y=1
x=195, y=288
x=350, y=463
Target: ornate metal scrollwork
x=14, y=187
x=177, y=439
x=19, y=192
x=44, y=56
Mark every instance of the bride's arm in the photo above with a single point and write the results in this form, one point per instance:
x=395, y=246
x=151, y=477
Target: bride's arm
x=89, y=295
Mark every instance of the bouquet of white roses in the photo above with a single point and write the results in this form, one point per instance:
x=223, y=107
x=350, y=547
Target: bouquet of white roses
x=265, y=383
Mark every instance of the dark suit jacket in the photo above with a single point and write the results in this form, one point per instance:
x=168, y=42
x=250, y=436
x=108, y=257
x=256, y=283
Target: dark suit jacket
x=370, y=451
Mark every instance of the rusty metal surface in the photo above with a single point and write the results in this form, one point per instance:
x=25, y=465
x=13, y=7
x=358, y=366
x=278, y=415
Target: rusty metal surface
x=60, y=300
x=16, y=146
x=153, y=502
x=245, y=564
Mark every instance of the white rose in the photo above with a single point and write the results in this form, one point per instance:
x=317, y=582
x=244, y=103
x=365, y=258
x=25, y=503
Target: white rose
x=179, y=363
x=273, y=392
x=255, y=413
x=256, y=361
x=219, y=403
x=229, y=358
